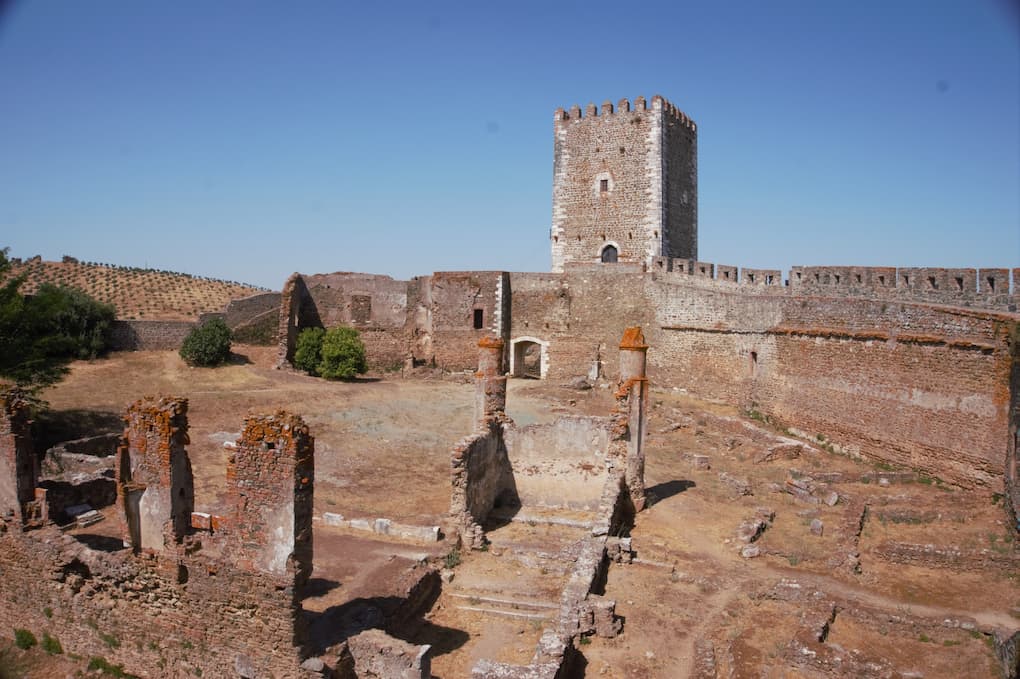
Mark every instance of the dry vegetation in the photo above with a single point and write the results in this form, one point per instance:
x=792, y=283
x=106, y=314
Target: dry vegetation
x=382, y=449
x=137, y=293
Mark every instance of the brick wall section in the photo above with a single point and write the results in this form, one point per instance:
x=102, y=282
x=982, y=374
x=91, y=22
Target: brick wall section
x=582, y=315
x=454, y=296
x=19, y=466
x=155, y=487
x=270, y=477
x=134, y=610
x=193, y=606
x=149, y=335
x=625, y=176
x=907, y=383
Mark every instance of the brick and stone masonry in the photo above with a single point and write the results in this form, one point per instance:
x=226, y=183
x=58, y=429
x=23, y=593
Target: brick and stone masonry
x=624, y=184
x=195, y=593
x=19, y=467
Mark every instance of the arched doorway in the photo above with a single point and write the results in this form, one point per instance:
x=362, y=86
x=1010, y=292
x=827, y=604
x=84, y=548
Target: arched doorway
x=529, y=358
x=610, y=254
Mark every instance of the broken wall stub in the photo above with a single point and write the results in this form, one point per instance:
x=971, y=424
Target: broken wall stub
x=481, y=475
x=19, y=467
x=155, y=486
x=270, y=478
x=490, y=383
x=630, y=417
x=377, y=655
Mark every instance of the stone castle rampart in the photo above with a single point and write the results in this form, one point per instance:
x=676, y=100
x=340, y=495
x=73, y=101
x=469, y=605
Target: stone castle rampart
x=981, y=288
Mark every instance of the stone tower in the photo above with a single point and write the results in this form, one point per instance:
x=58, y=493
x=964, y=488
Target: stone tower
x=625, y=184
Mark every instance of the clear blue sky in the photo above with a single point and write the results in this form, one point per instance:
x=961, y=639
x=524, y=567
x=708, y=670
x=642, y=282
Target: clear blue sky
x=247, y=140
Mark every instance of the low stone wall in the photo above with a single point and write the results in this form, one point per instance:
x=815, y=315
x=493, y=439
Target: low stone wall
x=482, y=479
x=149, y=335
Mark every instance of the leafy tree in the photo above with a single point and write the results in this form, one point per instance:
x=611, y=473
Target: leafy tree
x=208, y=344
x=308, y=351
x=41, y=333
x=343, y=354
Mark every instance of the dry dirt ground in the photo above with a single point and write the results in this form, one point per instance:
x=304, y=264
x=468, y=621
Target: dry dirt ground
x=905, y=577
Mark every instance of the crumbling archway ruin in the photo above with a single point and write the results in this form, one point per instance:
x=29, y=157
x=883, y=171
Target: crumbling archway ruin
x=529, y=357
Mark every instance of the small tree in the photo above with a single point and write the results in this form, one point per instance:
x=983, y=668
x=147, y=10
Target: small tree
x=208, y=344
x=343, y=354
x=308, y=352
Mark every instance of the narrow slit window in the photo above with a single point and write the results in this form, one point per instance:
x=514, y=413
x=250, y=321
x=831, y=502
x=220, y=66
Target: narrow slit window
x=479, y=319
x=754, y=363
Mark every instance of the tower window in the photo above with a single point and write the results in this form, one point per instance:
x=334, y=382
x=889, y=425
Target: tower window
x=603, y=185
x=479, y=319
x=609, y=255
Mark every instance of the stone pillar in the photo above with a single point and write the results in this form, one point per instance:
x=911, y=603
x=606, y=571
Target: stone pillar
x=490, y=382
x=270, y=478
x=155, y=488
x=634, y=390
x=19, y=467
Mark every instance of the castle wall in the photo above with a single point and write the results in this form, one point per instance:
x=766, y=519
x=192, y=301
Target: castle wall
x=149, y=335
x=910, y=384
x=455, y=297
x=582, y=314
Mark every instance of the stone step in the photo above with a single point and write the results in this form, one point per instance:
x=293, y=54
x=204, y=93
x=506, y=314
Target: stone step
x=511, y=603
x=507, y=613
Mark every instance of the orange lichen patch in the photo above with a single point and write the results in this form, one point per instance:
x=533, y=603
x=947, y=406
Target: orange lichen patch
x=626, y=386
x=633, y=339
x=490, y=343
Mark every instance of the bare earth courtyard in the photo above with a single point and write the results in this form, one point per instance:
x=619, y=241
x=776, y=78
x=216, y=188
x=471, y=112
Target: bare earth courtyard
x=760, y=553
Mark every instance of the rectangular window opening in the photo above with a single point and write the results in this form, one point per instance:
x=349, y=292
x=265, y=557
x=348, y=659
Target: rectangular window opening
x=991, y=284
x=959, y=283
x=603, y=185
x=754, y=363
x=479, y=319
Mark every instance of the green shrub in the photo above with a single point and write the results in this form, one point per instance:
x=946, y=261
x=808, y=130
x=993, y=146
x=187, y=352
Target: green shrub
x=308, y=351
x=24, y=639
x=208, y=344
x=51, y=644
x=103, y=665
x=343, y=354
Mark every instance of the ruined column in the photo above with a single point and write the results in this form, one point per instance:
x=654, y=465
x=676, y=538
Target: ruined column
x=19, y=468
x=271, y=479
x=490, y=382
x=634, y=395
x=155, y=487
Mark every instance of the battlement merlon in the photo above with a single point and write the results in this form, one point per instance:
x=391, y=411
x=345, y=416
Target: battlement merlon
x=658, y=103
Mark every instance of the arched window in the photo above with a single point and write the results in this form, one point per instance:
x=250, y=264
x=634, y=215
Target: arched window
x=609, y=254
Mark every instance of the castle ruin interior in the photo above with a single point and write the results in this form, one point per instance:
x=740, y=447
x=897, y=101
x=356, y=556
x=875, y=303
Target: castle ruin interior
x=729, y=472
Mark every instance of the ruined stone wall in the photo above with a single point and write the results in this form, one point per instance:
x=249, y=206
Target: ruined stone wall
x=481, y=478
x=623, y=176
x=19, y=466
x=907, y=383
x=195, y=594
x=455, y=297
x=149, y=335
x=291, y=297
x=582, y=314
x=270, y=477
x=155, y=618
x=154, y=480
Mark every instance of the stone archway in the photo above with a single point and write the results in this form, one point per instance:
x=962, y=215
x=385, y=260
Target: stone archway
x=529, y=357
